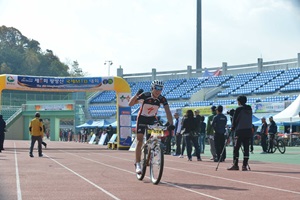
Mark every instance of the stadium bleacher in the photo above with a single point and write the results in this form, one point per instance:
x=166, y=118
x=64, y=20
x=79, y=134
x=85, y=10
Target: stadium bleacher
x=181, y=90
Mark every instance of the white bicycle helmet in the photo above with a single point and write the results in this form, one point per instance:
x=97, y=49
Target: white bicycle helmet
x=157, y=83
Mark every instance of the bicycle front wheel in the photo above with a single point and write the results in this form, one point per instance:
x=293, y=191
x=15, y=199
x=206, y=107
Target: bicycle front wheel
x=156, y=163
x=281, y=146
x=143, y=163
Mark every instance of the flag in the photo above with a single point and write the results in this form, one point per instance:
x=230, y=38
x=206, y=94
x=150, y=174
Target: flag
x=206, y=73
x=218, y=72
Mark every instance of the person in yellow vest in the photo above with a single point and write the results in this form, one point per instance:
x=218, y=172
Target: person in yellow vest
x=36, y=128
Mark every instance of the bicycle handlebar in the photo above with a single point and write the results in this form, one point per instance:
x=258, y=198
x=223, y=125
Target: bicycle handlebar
x=155, y=127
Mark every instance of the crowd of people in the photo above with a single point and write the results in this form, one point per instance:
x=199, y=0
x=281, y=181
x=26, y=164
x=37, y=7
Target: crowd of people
x=191, y=130
x=85, y=134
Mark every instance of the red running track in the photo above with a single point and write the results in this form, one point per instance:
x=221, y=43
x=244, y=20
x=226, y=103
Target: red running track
x=78, y=171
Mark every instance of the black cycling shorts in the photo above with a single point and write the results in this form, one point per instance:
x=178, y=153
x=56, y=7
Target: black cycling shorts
x=142, y=123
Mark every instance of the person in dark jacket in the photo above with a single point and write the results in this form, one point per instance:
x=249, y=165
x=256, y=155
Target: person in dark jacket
x=242, y=125
x=264, y=135
x=198, y=128
x=190, y=130
x=202, y=135
x=272, y=132
x=219, y=125
x=2, y=132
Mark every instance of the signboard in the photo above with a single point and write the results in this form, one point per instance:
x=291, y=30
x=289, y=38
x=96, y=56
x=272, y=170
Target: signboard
x=58, y=83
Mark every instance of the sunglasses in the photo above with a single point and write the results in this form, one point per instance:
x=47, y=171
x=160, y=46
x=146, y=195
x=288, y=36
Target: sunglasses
x=156, y=87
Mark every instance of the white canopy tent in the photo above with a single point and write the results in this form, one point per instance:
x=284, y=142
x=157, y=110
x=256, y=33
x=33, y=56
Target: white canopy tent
x=290, y=114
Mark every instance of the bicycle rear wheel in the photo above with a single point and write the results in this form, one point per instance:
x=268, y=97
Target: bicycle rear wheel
x=156, y=164
x=143, y=163
x=281, y=146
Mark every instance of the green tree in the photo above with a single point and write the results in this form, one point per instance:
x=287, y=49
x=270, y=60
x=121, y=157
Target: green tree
x=75, y=70
x=20, y=55
x=4, y=69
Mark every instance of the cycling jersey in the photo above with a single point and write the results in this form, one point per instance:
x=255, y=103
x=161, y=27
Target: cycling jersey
x=150, y=104
x=148, y=109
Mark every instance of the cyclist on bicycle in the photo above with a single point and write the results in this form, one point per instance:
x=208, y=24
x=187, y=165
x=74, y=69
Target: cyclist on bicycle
x=151, y=102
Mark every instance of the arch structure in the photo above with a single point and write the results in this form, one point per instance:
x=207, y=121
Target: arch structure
x=79, y=84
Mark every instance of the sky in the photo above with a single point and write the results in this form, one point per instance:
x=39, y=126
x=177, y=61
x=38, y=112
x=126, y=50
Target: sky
x=139, y=35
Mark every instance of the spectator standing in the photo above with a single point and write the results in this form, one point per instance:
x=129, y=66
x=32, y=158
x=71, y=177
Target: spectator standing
x=272, y=132
x=2, y=132
x=109, y=132
x=61, y=133
x=219, y=125
x=69, y=135
x=85, y=135
x=98, y=135
x=106, y=139
x=168, y=138
x=35, y=128
x=198, y=128
x=202, y=134
x=242, y=125
x=231, y=133
x=190, y=130
x=183, y=138
x=264, y=135
x=252, y=139
x=82, y=135
x=48, y=134
x=66, y=135
x=178, y=136
x=42, y=134
x=210, y=133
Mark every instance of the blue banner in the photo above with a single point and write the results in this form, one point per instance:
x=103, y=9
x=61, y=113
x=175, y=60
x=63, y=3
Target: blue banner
x=60, y=82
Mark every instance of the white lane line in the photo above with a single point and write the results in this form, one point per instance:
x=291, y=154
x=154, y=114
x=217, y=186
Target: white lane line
x=90, y=182
x=232, y=180
x=251, y=164
x=276, y=175
x=124, y=170
x=19, y=193
x=210, y=166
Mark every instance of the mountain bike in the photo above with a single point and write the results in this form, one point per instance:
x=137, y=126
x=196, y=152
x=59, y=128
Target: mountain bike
x=278, y=143
x=152, y=152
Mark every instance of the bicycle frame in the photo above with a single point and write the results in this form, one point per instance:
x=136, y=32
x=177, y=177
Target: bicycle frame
x=152, y=149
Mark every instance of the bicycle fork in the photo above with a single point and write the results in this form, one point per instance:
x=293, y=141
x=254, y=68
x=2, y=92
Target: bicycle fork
x=150, y=149
x=148, y=156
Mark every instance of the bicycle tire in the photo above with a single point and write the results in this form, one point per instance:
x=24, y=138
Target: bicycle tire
x=156, y=164
x=281, y=146
x=143, y=164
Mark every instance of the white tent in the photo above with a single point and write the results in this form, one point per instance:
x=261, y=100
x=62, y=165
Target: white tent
x=290, y=114
x=93, y=124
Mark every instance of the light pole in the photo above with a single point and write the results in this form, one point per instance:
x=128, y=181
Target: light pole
x=109, y=63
